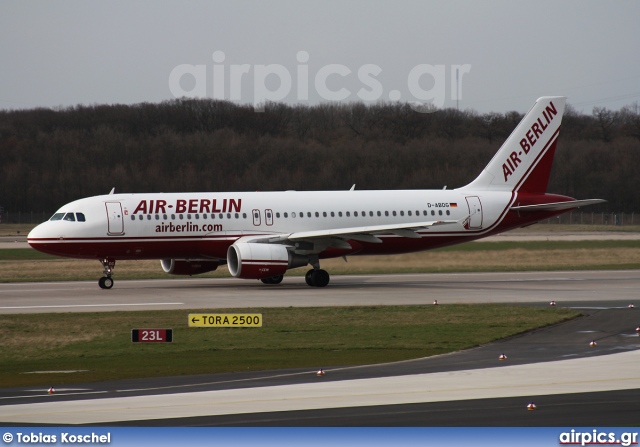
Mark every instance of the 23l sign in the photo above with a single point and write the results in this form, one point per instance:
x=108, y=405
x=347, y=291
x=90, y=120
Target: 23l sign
x=152, y=335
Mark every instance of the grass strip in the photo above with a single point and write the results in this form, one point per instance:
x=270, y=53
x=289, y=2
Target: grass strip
x=99, y=344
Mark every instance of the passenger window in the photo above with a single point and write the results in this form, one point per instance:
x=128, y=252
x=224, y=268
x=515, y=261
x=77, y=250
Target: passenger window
x=371, y=213
x=57, y=216
x=157, y=217
x=324, y=214
x=197, y=216
x=277, y=215
x=140, y=217
x=440, y=212
x=379, y=214
x=409, y=213
x=189, y=216
x=148, y=216
x=433, y=213
x=317, y=214
x=333, y=214
x=173, y=217
x=348, y=214
x=355, y=214
x=237, y=216
x=339, y=213
x=448, y=213
x=308, y=214
x=286, y=215
x=133, y=217
x=402, y=213
x=164, y=216
x=244, y=215
x=394, y=214
x=228, y=215
x=80, y=217
x=181, y=216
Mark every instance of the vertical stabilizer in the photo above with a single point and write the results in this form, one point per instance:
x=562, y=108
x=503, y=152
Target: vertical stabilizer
x=524, y=161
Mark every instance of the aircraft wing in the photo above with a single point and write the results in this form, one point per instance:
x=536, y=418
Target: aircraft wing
x=558, y=205
x=364, y=234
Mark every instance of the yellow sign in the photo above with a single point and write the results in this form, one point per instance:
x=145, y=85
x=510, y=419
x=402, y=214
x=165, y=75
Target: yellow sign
x=225, y=320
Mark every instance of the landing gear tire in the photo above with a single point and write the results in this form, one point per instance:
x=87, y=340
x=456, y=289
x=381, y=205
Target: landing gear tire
x=307, y=278
x=317, y=278
x=273, y=280
x=105, y=282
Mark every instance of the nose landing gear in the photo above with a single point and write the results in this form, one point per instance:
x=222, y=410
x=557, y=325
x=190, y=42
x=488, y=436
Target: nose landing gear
x=106, y=282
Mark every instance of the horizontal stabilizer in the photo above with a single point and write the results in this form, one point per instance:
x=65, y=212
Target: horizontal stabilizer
x=558, y=205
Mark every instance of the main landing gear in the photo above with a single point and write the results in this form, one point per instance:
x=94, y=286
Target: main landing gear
x=106, y=282
x=317, y=278
x=273, y=280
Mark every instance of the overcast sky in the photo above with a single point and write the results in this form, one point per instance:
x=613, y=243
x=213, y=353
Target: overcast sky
x=507, y=53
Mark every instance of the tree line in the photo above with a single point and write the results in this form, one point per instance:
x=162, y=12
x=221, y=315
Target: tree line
x=51, y=157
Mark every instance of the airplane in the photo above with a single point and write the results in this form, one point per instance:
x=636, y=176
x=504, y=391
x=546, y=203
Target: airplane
x=261, y=235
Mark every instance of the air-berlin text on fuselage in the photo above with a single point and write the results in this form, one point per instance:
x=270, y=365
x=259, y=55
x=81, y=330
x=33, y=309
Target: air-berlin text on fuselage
x=531, y=137
x=160, y=206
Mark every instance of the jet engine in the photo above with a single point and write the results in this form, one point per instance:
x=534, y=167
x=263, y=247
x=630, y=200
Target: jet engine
x=185, y=267
x=252, y=260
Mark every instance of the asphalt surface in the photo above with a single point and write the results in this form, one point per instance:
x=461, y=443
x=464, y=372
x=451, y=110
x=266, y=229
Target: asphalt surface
x=603, y=297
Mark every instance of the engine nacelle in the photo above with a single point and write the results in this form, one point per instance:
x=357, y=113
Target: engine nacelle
x=183, y=267
x=250, y=260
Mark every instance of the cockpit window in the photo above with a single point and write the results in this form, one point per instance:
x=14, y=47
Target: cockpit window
x=70, y=217
x=80, y=217
x=57, y=216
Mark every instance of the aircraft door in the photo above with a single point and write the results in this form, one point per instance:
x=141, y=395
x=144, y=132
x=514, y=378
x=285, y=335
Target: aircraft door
x=268, y=217
x=256, y=217
x=475, y=212
x=115, y=219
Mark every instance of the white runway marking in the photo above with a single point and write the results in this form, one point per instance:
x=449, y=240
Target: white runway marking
x=62, y=306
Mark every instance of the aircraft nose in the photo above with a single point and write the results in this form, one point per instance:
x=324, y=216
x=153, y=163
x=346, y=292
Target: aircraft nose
x=38, y=235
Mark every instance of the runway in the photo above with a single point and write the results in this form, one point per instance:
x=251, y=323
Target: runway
x=588, y=287
x=572, y=383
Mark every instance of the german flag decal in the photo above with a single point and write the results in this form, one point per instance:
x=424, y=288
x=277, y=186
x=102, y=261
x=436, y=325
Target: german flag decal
x=453, y=205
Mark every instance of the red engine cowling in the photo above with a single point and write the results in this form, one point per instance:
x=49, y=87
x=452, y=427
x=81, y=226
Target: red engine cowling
x=183, y=267
x=249, y=260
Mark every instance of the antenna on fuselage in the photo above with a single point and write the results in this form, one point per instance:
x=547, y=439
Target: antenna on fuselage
x=353, y=187
x=112, y=191
x=444, y=187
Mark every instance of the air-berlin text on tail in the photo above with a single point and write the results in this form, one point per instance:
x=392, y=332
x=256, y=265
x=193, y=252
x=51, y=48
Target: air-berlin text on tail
x=530, y=139
x=157, y=206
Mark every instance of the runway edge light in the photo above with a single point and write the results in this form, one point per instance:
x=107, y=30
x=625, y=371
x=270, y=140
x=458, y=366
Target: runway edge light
x=502, y=357
x=552, y=303
x=320, y=373
x=531, y=406
x=593, y=343
x=51, y=391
